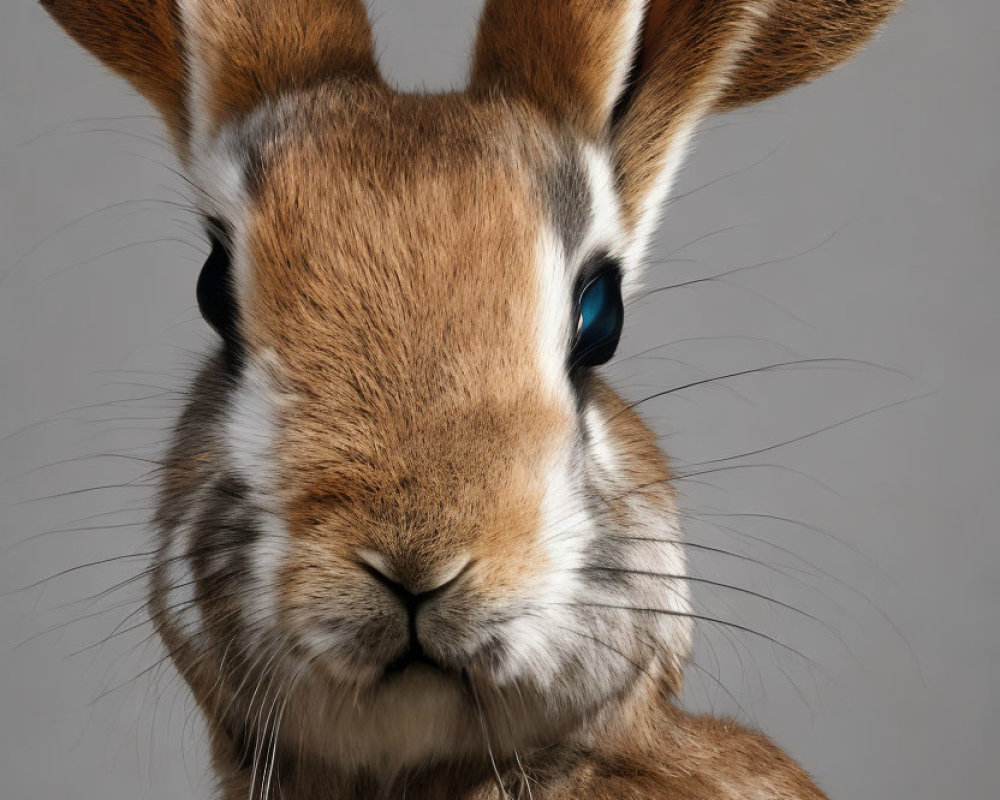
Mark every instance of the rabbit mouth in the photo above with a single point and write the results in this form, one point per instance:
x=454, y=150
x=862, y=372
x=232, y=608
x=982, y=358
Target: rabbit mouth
x=416, y=659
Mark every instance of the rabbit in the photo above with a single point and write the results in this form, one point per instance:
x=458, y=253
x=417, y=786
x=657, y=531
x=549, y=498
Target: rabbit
x=411, y=544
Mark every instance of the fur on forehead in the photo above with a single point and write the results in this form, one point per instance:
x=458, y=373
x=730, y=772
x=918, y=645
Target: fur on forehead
x=434, y=204
x=391, y=266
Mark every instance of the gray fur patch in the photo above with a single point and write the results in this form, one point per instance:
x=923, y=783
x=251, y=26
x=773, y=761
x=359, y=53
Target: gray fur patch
x=568, y=194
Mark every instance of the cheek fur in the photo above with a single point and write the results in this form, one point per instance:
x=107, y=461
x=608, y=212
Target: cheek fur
x=579, y=627
x=642, y=560
x=537, y=642
x=180, y=597
x=251, y=433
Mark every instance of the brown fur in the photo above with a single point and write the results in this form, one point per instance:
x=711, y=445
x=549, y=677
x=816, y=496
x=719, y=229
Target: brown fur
x=666, y=755
x=800, y=41
x=390, y=248
x=696, y=56
x=140, y=40
x=643, y=748
x=535, y=53
x=707, y=55
x=378, y=335
x=253, y=51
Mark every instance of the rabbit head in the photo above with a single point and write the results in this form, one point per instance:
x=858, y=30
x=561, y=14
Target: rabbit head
x=404, y=521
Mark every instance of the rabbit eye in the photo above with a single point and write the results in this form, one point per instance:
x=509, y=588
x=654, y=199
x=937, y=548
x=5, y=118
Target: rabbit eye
x=600, y=315
x=215, y=290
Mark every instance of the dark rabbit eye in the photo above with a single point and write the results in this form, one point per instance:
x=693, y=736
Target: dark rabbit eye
x=216, y=296
x=600, y=315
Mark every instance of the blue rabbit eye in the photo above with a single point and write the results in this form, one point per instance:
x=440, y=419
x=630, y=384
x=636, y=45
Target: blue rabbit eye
x=600, y=316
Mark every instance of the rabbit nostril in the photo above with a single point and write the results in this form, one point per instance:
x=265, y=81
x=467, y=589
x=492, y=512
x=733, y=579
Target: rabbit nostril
x=390, y=582
x=376, y=565
x=413, y=591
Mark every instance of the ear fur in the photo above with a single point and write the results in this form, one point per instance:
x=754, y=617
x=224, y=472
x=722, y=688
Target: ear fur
x=799, y=40
x=202, y=62
x=701, y=56
x=139, y=39
x=241, y=51
x=688, y=58
x=568, y=58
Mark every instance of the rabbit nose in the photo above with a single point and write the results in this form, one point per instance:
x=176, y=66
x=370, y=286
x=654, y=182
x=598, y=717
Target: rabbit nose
x=421, y=587
x=412, y=594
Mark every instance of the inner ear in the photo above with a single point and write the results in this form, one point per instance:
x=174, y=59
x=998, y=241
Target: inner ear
x=650, y=41
x=635, y=70
x=216, y=288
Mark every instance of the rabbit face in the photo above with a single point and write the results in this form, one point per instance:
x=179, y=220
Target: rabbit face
x=404, y=523
x=401, y=490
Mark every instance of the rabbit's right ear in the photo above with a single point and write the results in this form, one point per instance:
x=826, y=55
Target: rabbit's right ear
x=636, y=76
x=203, y=62
x=141, y=40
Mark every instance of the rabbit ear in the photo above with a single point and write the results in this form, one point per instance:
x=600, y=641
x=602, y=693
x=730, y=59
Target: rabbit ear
x=570, y=58
x=640, y=75
x=141, y=40
x=201, y=62
x=700, y=56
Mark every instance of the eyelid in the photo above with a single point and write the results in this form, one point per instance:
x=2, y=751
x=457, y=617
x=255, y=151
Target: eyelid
x=593, y=268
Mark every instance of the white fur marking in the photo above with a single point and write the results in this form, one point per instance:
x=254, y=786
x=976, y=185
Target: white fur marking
x=606, y=224
x=213, y=159
x=601, y=447
x=555, y=305
x=198, y=89
x=266, y=559
x=757, y=12
x=652, y=204
x=566, y=528
x=251, y=427
x=250, y=433
x=630, y=38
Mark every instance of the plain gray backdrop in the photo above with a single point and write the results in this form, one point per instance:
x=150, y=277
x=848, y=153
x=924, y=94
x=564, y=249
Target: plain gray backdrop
x=854, y=218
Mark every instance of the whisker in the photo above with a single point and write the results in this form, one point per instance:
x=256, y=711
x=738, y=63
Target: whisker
x=697, y=617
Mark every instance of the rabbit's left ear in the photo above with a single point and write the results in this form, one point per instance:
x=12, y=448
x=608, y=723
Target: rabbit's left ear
x=639, y=75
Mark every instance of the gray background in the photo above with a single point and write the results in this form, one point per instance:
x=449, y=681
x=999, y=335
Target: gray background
x=866, y=206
